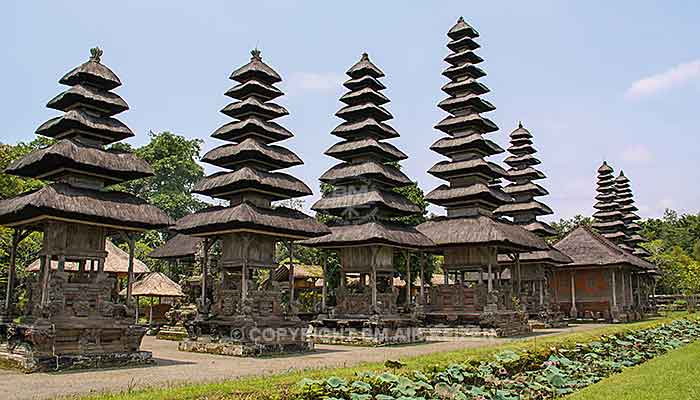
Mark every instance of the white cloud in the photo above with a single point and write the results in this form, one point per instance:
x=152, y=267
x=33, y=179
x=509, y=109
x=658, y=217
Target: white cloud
x=637, y=153
x=674, y=76
x=315, y=81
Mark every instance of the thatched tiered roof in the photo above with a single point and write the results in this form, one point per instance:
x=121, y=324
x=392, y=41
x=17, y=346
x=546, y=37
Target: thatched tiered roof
x=78, y=164
x=179, y=246
x=252, y=183
x=117, y=262
x=524, y=210
x=608, y=217
x=625, y=199
x=155, y=284
x=473, y=191
x=588, y=248
x=365, y=180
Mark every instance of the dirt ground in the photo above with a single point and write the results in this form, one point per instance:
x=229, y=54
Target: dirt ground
x=173, y=367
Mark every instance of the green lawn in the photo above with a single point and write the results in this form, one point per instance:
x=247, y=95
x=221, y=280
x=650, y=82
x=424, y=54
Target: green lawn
x=673, y=376
x=278, y=386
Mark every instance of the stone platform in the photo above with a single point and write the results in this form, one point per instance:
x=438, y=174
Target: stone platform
x=365, y=332
x=489, y=324
x=65, y=362
x=240, y=349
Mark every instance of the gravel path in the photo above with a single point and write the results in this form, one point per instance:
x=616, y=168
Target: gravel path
x=176, y=368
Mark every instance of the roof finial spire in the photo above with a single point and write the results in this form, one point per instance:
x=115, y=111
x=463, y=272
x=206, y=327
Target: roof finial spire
x=520, y=124
x=255, y=53
x=365, y=56
x=460, y=19
x=95, y=54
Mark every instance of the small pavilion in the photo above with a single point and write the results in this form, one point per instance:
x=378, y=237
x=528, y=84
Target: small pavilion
x=155, y=285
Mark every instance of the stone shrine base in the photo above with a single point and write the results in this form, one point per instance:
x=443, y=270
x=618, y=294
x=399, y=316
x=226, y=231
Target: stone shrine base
x=362, y=332
x=490, y=324
x=240, y=349
x=175, y=333
x=29, y=364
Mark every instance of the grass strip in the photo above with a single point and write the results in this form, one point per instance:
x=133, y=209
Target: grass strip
x=672, y=376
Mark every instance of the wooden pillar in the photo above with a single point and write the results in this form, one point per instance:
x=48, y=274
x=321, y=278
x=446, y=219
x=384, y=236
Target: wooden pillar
x=481, y=276
x=446, y=276
x=137, y=311
x=574, y=312
x=490, y=277
x=130, y=278
x=614, y=290
x=290, y=248
x=541, y=285
x=408, y=277
x=324, y=289
x=101, y=266
x=424, y=261
x=150, y=314
x=205, y=271
x=9, y=294
x=624, y=288
x=519, y=279
x=374, y=278
x=45, y=278
x=631, y=291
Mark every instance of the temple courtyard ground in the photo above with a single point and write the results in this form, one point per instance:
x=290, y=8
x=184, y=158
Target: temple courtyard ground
x=173, y=367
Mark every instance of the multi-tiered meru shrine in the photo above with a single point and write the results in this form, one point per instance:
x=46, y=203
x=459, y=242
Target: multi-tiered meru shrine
x=72, y=319
x=470, y=237
x=245, y=316
x=364, y=205
x=536, y=268
x=608, y=217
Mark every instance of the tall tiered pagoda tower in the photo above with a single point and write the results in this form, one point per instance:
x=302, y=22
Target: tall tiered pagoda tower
x=247, y=317
x=73, y=320
x=364, y=205
x=470, y=237
x=625, y=200
x=608, y=219
x=536, y=267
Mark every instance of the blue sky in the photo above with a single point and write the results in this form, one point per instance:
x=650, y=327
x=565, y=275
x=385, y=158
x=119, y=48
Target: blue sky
x=592, y=80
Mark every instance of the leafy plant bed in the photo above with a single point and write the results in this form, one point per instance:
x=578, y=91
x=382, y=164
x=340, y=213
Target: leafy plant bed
x=510, y=375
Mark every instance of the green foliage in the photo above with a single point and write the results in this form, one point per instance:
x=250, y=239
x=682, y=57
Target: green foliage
x=511, y=375
x=11, y=186
x=565, y=225
x=174, y=161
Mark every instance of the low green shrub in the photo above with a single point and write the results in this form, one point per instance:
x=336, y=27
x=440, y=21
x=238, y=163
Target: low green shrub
x=510, y=375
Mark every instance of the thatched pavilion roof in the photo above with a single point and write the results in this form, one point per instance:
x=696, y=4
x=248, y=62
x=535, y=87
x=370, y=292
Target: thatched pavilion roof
x=549, y=256
x=301, y=271
x=179, y=246
x=371, y=233
x=60, y=200
x=117, y=262
x=155, y=284
x=589, y=248
x=480, y=230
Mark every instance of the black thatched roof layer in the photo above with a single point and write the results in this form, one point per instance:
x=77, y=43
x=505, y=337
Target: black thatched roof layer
x=269, y=157
x=388, y=203
x=256, y=69
x=367, y=172
x=102, y=101
x=348, y=150
x=60, y=200
x=52, y=162
x=549, y=256
x=92, y=72
x=371, y=233
x=363, y=129
x=254, y=88
x=179, y=246
x=447, y=196
x=588, y=248
x=450, y=146
x=252, y=127
x=279, y=221
x=75, y=123
x=480, y=230
x=277, y=185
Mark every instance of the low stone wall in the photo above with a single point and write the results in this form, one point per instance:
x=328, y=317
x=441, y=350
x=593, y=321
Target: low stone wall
x=367, y=337
x=29, y=364
x=174, y=333
x=238, y=349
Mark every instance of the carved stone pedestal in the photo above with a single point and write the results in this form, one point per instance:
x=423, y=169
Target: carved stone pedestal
x=366, y=331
